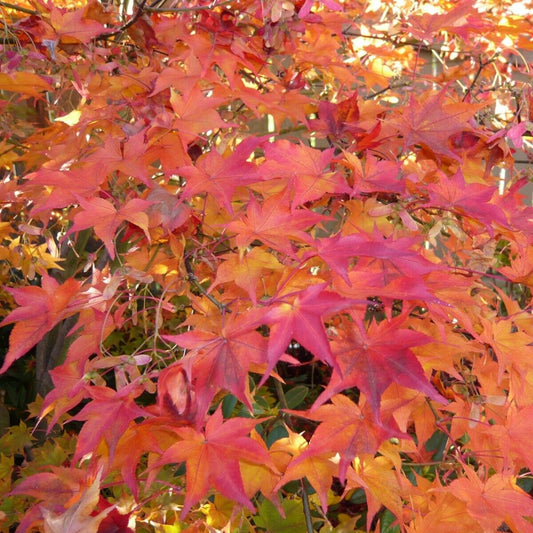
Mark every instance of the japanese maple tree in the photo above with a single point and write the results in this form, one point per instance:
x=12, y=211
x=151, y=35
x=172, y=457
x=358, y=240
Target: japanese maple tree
x=271, y=264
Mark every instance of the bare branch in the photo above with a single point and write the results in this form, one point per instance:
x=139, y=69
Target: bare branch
x=135, y=17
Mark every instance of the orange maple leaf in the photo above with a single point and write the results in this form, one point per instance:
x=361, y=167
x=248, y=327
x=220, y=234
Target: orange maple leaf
x=212, y=457
x=102, y=215
x=346, y=429
x=494, y=501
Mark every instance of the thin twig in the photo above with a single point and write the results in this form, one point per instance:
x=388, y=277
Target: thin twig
x=307, y=509
x=389, y=87
x=19, y=8
x=481, y=66
x=191, y=277
x=186, y=9
x=305, y=496
x=134, y=18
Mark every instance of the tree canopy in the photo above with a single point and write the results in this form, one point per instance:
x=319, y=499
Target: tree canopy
x=266, y=266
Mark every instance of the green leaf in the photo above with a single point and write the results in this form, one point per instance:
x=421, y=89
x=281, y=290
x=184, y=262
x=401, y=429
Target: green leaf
x=387, y=521
x=269, y=518
x=278, y=432
x=296, y=396
x=228, y=404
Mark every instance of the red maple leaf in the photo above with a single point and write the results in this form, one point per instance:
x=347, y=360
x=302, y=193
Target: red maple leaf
x=78, y=25
x=41, y=308
x=299, y=316
x=461, y=19
x=107, y=417
x=195, y=113
x=212, y=457
x=337, y=119
x=393, y=258
x=274, y=223
x=304, y=169
x=129, y=155
x=220, y=357
x=374, y=358
x=430, y=121
x=62, y=188
x=467, y=199
x=372, y=174
x=219, y=176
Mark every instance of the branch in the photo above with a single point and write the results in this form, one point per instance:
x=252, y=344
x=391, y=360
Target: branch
x=191, y=277
x=305, y=496
x=134, y=18
x=394, y=40
x=481, y=66
x=186, y=9
x=388, y=88
x=19, y=8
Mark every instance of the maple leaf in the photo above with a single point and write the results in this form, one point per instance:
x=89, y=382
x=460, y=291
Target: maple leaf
x=78, y=25
x=61, y=482
x=345, y=429
x=392, y=258
x=374, y=358
x=166, y=210
x=430, y=121
x=195, y=113
x=106, y=417
x=69, y=495
x=41, y=308
x=64, y=187
x=274, y=223
x=459, y=20
x=69, y=390
x=372, y=174
x=507, y=341
x=365, y=284
x=151, y=436
x=468, y=199
x=212, y=458
x=521, y=269
x=26, y=83
x=494, y=501
x=379, y=480
x=304, y=169
x=515, y=436
x=130, y=155
x=342, y=118
x=299, y=316
x=78, y=517
x=246, y=270
x=319, y=469
x=258, y=477
x=221, y=357
x=219, y=176
x=102, y=215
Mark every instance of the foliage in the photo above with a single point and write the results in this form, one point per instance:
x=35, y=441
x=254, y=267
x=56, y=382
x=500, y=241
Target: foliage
x=295, y=289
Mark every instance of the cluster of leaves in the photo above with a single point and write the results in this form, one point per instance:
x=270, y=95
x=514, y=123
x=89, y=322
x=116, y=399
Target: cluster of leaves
x=297, y=290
